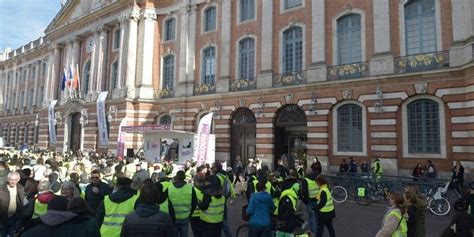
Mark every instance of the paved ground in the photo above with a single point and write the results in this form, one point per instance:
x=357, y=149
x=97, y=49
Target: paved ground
x=351, y=220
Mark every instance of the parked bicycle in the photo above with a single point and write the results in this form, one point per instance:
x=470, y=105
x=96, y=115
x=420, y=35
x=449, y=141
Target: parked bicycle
x=437, y=199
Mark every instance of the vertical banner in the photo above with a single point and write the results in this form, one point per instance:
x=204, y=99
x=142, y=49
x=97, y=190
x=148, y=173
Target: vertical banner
x=101, y=122
x=204, y=130
x=52, y=126
x=121, y=140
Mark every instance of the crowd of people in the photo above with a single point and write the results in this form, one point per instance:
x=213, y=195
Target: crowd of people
x=51, y=194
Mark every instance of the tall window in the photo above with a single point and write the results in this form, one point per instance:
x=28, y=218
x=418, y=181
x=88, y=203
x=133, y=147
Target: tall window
x=349, y=128
x=13, y=102
x=165, y=119
x=349, y=46
x=170, y=26
x=30, y=98
x=420, y=26
x=114, y=75
x=209, y=65
x=24, y=75
x=33, y=72
x=40, y=96
x=246, y=58
x=247, y=10
x=43, y=72
x=423, y=126
x=86, y=75
x=293, y=49
x=292, y=3
x=22, y=99
x=210, y=19
x=117, y=38
x=168, y=72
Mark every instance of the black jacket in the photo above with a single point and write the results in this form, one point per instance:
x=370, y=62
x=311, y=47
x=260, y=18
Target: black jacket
x=93, y=199
x=324, y=216
x=147, y=220
x=119, y=196
x=63, y=223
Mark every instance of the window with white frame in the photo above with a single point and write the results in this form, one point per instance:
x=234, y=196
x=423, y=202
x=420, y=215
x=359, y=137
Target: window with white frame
x=293, y=49
x=165, y=119
x=209, y=65
x=168, y=72
x=210, y=19
x=247, y=58
x=420, y=26
x=117, y=38
x=114, y=75
x=349, y=46
x=247, y=10
x=86, y=76
x=292, y=3
x=423, y=127
x=349, y=128
x=170, y=26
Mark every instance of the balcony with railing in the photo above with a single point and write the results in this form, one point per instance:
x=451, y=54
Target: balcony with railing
x=290, y=78
x=242, y=84
x=421, y=62
x=204, y=88
x=348, y=71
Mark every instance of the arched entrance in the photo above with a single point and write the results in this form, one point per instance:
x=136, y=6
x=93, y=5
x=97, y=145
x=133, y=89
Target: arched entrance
x=290, y=134
x=243, y=136
x=75, y=134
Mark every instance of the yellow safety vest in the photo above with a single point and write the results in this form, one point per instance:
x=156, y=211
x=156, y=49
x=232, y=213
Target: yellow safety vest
x=313, y=188
x=181, y=199
x=40, y=209
x=199, y=197
x=402, y=228
x=215, y=212
x=329, y=204
x=222, y=179
x=291, y=193
x=164, y=207
x=380, y=171
x=268, y=186
x=115, y=215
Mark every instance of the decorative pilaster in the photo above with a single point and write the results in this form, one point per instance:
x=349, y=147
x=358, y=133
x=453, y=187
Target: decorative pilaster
x=265, y=77
x=94, y=62
x=317, y=70
x=131, y=57
x=76, y=51
x=27, y=82
x=222, y=84
x=382, y=62
x=36, y=89
x=101, y=58
x=463, y=32
x=146, y=34
x=122, y=22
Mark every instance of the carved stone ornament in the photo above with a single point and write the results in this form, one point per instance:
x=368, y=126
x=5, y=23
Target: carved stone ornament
x=289, y=98
x=242, y=102
x=421, y=88
x=346, y=94
x=203, y=106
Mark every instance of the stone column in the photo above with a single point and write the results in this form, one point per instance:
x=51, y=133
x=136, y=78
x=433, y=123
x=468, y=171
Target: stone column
x=76, y=52
x=55, y=75
x=183, y=43
x=17, y=87
x=131, y=56
x=317, y=70
x=183, y=85
x=36, y=89
x=191, y=49
x=146, y=35
x=27, y=82
x=48, y=80
x=122, y=22
x=461, y=51
x=382, y=61
x=94, y=62
x=265, y=77
x=101, y=59
x=222, y=84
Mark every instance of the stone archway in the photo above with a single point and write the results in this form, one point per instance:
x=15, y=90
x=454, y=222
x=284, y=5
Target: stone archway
x=73, y=129
x=243, y=136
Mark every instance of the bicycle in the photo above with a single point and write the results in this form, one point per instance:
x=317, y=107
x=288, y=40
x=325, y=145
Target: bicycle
x=371, y=191
x=436, y=201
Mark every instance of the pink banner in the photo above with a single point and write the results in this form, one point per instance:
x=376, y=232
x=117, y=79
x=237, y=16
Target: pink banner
x=204, y=130
x=121, y=140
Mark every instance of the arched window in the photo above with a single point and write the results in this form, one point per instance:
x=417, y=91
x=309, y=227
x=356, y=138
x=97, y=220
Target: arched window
x=349, y=128
x=420, y=26
x=293, y=49
x=114, y=75
x=170, y=28
x=349, y=46
x=168, y=72
x=423, y=126
x=247, y=58
x=165, y=119
x=86, y=75
x=210, y=19
x=209, y=65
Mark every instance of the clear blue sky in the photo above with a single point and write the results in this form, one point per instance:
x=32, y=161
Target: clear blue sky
x=22, y=21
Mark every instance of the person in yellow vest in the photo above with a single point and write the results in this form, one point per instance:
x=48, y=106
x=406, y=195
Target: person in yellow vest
x=394, y=222
x=42, y=198
x=325, y=208
x=377, y=169
x=113, y=209
x=183, y=199
x=287, y=218
x=309, y=192
x=212, y=211
x=200, y=183
x=228, y=192
x=162, y=184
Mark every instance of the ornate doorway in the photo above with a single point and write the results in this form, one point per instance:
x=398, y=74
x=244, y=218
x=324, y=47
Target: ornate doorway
x=75, y=134
x=290, y=135
x=243, y=136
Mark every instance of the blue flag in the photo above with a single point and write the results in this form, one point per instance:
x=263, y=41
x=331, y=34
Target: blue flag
x=63, y=85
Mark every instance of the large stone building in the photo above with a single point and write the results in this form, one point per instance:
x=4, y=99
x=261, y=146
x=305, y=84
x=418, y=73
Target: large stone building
x=364, y=78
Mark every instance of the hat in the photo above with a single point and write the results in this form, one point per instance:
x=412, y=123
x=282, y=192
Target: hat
x=124, y=181
x=58, y=203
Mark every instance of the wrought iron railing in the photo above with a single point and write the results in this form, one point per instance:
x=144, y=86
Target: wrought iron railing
x=242, y=84
x=290, y=78
x=165, y=93
x=348, y=71
x=204, y=88
x=421, y=62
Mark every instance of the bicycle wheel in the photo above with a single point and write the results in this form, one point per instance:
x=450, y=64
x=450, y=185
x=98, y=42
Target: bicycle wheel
x=339, y=194
x=439, y=207
x=242, y=231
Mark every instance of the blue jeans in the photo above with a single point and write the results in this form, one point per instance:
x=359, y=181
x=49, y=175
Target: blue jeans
x=9, y=227
x=180, y=228
x=264, y=231
x=312, y=216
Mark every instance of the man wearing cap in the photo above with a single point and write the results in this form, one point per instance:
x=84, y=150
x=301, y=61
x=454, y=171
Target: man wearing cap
x=182, y=197
x=113, y=209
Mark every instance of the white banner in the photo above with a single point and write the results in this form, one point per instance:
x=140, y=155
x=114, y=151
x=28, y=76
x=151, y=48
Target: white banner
x=121, y=140
x=101, y=122
x=52, y=126
x=204, y=130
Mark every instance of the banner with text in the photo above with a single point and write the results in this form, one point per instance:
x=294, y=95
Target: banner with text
x=204, y=129
x=51, y=122
x=101, y=121
x=121, y=140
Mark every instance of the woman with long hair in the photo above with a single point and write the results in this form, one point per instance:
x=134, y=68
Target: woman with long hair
x=394, y=221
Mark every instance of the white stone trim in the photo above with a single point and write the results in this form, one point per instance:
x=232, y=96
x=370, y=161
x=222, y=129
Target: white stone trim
x=463, y=134
x=265, y=105
x=381, y=18
x=461, y=105
x=384, y=148
x=401, y=17
x=318, y=38
x=454, y=91
x=183, y=127
x=328, y=100
x=218, y=126
x=383, y=122
x=383, y=135
x=239, y=9
x=203, y=17
x=463, y=149
x=317, y=112
x=364, y=129
x=280, y=48
x=222, y=135
x=463, y=119
x=335, y=59
x=237, y=55
x=318, y=124
x=267, y=146
x=266, y=34
x=264, y=125
x=317, y=135
x=317, y=146
x=393, y=108
x=442, y=128
x=264, y=135
x=393, y=95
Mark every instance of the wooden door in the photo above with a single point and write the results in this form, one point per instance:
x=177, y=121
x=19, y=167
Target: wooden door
x=75, y=132
x=243, y=136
